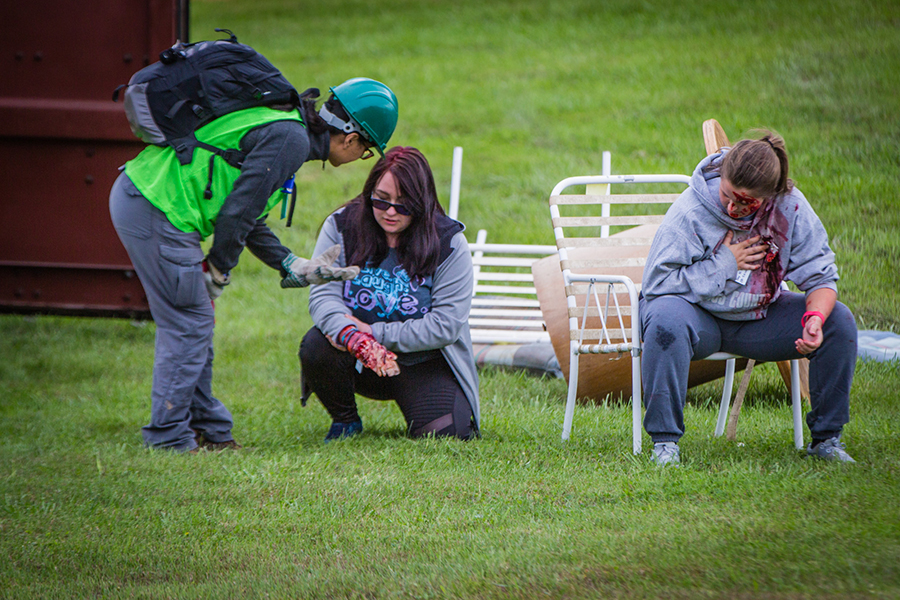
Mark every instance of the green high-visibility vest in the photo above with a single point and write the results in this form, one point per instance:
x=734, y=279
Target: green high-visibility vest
x=177, y=190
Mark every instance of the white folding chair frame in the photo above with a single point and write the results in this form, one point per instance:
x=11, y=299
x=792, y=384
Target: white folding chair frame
x=505, y=308
x=633, y=347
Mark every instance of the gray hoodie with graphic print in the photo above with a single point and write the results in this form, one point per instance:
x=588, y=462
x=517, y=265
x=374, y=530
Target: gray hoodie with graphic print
x=687, y=258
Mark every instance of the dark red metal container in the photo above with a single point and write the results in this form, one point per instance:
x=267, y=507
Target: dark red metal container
x=62, y=140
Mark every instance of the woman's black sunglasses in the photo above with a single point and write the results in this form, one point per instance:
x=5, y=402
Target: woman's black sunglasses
x=384, y=205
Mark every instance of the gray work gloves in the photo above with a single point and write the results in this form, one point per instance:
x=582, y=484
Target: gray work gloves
x=215, y=280
x=302, y=272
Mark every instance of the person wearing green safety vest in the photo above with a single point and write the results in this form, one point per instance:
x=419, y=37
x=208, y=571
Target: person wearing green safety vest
x=163, y=210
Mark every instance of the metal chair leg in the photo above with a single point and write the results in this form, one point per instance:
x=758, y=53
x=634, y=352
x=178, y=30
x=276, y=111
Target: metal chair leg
x=636, y=405
x=797, y=404
x=570, y=398
x=726, y=397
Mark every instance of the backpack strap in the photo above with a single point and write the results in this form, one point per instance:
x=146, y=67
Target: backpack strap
x=184, y=150
x=182, y=100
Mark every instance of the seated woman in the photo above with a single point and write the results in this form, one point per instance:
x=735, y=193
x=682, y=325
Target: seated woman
x=399, y=331
x=713, y=283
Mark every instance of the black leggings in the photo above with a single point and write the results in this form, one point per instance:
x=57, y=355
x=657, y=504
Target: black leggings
x=428, y=394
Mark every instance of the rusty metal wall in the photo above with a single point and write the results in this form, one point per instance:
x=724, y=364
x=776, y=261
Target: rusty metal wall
x=62, y=140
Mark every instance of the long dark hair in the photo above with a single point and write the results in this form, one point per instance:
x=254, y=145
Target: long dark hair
x=418, y=245
x=314, y=122
x=759, y=166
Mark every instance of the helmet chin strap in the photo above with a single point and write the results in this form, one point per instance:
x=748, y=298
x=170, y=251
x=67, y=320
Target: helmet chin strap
x=335, y=121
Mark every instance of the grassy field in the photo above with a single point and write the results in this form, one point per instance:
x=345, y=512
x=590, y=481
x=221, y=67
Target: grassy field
x=533, y=91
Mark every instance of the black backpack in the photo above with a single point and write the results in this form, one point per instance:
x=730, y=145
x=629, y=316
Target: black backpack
x=193, y=84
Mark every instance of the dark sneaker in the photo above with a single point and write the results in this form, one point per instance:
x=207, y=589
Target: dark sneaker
x=831, y=449
x=205, y=444
x=216, y=446
x=343, y=430
x=665, y=454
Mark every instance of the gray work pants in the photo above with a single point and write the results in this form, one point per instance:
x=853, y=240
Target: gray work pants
x=675, y=332
x=168, y=263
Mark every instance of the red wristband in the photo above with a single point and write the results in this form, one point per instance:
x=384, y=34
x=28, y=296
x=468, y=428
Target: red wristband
x=811, y=313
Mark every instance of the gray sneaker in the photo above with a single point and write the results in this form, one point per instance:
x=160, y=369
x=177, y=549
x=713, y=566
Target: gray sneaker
x=665, y=454
x=831, y=449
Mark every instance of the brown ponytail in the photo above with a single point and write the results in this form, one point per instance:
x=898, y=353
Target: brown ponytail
x=759, y=166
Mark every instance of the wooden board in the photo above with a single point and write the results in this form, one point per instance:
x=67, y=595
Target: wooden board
x=601, y=375
x=714, y=137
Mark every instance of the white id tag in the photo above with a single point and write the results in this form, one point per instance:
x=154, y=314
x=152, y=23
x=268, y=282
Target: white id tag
x=742, y=276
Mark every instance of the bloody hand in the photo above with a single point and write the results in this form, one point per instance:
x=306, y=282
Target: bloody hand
x=747, y=254
x=370, y=353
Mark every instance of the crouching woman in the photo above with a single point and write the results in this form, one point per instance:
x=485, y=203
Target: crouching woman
x=399, y=330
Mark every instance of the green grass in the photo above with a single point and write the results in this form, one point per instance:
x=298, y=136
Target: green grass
x=533, y=91
x=86, y=512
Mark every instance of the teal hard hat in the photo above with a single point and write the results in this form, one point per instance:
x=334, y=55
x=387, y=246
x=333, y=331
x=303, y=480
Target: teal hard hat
x=372, y=105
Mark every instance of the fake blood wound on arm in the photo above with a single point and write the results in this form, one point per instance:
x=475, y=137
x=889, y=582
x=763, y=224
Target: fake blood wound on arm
x=368, y=351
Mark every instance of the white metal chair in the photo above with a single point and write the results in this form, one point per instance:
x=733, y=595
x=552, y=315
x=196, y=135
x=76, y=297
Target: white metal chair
x=504, y=301
x=505, y=308
x=612, y=325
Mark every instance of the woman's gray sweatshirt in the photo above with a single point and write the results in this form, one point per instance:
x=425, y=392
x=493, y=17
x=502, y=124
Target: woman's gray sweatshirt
x=687, y=258
x=445, y=327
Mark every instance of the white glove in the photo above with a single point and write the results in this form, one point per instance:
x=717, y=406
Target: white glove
x=303, y=272
x=215, y=280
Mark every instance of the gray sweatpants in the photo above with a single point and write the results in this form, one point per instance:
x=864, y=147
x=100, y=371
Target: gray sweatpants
x=675, y=332
x=168, y=263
